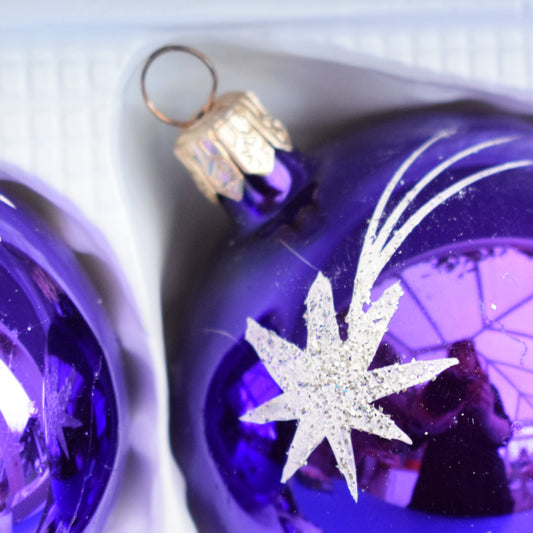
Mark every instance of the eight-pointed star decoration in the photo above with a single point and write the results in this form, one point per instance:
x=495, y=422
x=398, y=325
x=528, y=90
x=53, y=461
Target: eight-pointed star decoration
x=327, y=386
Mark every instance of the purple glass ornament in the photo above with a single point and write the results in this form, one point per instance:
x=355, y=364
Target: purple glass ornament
x=59, y=416
x=466, y=271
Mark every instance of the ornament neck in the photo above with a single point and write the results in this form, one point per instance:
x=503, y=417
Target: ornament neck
x=266, y=197
x=237, y=153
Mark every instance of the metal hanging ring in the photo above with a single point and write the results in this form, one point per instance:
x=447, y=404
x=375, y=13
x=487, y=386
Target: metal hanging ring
x=159, y=114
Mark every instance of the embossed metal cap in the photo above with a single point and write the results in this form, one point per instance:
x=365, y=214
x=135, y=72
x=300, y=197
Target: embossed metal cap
x=235, y=138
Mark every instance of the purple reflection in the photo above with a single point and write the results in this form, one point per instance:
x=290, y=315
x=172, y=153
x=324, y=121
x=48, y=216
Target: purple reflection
x=464, y=423
x=251, y=456
x=483, y=292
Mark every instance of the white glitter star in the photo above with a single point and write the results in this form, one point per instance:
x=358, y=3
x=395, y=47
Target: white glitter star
x=56, y=403
x=327, y=386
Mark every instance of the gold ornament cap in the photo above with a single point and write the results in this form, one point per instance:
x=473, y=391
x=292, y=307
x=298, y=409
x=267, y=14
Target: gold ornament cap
x=236, y=137
x=230, y=137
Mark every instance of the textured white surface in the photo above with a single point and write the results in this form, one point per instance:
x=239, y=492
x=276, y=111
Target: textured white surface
x=60, y=89
x=55, y=108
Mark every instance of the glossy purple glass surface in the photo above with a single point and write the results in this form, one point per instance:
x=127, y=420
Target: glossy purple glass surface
x=467, y=273
x=58, y=409
x=265, y=197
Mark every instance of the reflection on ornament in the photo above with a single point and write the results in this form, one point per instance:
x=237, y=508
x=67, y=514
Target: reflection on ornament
x=58, y=406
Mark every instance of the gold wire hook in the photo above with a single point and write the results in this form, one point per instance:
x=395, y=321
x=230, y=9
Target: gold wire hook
x=160, y=115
